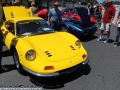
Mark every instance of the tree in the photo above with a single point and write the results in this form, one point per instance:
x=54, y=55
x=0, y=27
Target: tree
x=95, y=1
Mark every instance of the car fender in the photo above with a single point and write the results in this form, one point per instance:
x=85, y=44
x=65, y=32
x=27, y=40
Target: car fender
x=22, y=46
x=70, y=25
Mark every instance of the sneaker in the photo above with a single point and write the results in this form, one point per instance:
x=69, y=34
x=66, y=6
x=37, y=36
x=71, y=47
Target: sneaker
x=115, y=46
x=99, y=39
x=106, y=41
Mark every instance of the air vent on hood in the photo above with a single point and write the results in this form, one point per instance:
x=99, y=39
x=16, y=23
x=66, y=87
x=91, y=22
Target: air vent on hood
x=72, y=48
x=48, y=53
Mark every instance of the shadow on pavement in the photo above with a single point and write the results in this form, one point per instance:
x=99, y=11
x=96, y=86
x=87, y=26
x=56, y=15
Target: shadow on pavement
x=58, y=82
x=87, y=38
x=6, y=53
x=111, y=41
x=9, y=67
x=105, y=34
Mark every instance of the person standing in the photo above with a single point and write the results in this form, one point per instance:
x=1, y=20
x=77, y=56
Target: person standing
x=100, y=12
x=33, y=8
x=91, y=10
x=103, y=11
x=1, y=36
x=17, y=3
x=54, y=16
x=107, y=20
x=117, y=24
x=97, y=14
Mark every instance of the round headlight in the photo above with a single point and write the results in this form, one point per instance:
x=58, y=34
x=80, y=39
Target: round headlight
x=78, y=43
x=30, y=55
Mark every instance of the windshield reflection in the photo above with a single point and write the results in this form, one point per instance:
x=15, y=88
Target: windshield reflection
x=33, y=27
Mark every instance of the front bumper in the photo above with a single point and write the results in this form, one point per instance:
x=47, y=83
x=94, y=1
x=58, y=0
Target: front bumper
x=84, y=33
x=59, y=72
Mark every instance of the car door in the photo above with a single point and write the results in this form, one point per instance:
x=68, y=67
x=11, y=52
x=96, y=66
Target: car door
x=8, y=33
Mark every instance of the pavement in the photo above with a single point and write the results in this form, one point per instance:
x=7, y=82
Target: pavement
x=102, y=73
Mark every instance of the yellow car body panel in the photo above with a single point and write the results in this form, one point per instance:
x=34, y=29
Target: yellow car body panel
x=16, y=11
x=59, y=60
x=59, y=45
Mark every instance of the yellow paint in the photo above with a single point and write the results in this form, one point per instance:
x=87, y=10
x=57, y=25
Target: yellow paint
x=57, y=44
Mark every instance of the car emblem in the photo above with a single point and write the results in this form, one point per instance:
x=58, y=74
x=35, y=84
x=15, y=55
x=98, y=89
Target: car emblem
x=70, y=61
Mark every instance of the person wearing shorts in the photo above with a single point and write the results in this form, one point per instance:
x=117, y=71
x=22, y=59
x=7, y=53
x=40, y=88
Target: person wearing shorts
x=107, y=20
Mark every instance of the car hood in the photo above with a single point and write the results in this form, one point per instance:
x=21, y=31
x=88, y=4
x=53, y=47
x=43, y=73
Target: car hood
x=54, y=46
x=83, y=13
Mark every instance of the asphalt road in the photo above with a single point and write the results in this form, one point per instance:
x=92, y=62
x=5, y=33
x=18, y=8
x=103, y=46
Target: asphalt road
x=102, y=73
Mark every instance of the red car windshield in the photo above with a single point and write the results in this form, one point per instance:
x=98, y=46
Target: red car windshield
x=70, y=11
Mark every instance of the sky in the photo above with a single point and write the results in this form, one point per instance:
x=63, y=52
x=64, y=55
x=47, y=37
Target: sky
x=100, y=1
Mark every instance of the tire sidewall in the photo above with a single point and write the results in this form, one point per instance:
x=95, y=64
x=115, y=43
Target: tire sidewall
x=64, y=28
x=20, y=69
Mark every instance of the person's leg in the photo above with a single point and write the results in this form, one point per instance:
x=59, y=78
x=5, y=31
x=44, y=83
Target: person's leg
x=98, y=17
x=1, y=45
x=108, y=32
x=102, y=28
x=0, y=49
x=116, y=43
x=55, y=25
x=52, y=24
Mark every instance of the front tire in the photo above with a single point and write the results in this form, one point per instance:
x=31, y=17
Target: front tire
x=64, y=29
x=17, y=63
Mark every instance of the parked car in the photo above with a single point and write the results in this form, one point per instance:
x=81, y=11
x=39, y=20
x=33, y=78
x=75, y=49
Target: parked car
x=81, y=27
x=37, y=48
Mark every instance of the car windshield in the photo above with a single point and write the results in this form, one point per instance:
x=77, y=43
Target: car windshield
x=33, y=27
x=73, y=11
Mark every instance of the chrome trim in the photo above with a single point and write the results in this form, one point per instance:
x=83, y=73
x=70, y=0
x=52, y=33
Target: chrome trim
x=41, y=75
x=53, y=74
x=86, y=61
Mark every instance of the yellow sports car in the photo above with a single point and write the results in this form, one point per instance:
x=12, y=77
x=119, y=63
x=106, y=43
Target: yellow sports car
x=37, y=48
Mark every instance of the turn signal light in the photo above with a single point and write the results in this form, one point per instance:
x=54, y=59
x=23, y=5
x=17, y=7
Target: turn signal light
x=49, y=68
x=84, y=56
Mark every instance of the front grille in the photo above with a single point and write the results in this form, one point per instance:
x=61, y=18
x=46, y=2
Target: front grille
x=89, y=32
x=84, y=25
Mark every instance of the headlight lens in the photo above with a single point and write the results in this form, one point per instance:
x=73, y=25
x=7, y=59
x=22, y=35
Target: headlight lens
x=30, y=55
x=78, y=43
